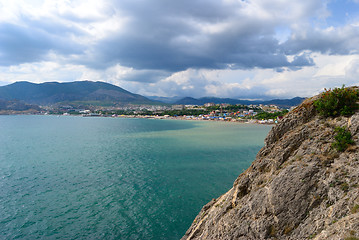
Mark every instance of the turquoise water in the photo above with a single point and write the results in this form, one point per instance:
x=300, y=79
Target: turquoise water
x=106, y=178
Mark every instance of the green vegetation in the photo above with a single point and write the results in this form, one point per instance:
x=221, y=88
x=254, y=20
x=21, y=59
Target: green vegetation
x=355, y=209
x=343, y=139
x=272, y=231
x=183, y=112
x=267, y=115
x=312, y=236
x=337, y=102
x=88, y=103
x=351, y=238
x=232, y=108
x=344, y=187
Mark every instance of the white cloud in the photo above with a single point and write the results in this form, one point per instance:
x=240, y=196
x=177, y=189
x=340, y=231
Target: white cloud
x=43, y=72
x=228, y=48
x=329, y=71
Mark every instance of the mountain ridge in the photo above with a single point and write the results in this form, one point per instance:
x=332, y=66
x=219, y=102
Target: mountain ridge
x=286, y=103
x=49, y=93
x=16, y=106
x=54, y=92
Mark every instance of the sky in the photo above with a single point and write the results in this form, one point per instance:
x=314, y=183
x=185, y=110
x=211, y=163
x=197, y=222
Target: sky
x=247, y=49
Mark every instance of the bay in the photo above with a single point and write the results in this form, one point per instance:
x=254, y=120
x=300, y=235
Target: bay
x=112, y=178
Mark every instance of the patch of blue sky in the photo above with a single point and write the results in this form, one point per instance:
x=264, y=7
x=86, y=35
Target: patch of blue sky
x=342, y=12
x=282, y=34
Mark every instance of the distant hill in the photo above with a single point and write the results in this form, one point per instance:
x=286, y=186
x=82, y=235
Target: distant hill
x=15, y=105
x=168, y=100
x=105, y=94
x=81, y=91
x=285, y=103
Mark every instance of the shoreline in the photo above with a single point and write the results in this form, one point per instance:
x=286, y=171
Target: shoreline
x=181, y=118
x=244, y=121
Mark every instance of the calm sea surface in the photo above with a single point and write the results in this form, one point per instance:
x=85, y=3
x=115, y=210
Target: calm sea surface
x=106, y=178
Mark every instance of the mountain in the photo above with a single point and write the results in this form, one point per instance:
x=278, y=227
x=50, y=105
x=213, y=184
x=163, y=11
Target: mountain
x=103, y=93
x=15, y=105
x=298, y=187
x=203, y=100
x=285, y=103
x=81, y=91
x=168, y=100
x=190, y=101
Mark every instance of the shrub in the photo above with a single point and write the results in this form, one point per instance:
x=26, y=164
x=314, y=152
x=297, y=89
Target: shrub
x=343, y=139
x=344, y=187
x=336, y=102
x=351, y=238
x=355, y=209
x=267, y=115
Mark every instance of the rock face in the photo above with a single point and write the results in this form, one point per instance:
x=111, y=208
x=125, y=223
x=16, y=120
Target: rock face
x=298, y=187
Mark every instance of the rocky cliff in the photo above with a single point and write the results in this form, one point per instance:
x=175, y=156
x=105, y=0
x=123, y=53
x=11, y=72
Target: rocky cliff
x=298, y=187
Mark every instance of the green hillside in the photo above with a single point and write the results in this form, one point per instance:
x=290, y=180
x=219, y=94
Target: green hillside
x=81, y=91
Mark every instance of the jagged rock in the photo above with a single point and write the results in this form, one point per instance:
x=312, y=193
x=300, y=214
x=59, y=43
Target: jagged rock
x=298, y=187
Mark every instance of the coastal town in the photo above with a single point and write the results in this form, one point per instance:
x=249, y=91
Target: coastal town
x=262, y=114
x=100, y=99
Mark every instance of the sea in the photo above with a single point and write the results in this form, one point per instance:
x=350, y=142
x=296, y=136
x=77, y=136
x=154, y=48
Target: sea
x=66, y=177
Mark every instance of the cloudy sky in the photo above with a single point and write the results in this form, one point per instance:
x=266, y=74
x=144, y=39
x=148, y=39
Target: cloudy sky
x=225, y=48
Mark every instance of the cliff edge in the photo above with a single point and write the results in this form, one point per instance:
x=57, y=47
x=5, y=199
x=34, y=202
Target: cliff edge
x=298, y=187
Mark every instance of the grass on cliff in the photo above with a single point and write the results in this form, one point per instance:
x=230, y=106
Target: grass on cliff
x=351, y=238
x=337, y=102
x=343, y=139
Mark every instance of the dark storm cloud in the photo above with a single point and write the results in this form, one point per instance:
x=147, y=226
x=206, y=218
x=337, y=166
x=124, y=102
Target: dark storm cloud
x=300, y=61
x=18, y=45
x=173, y=36
x=170, y=36
x=146, y=76
x=34, y=41
x=142, y=53
x=340, y=41
x=158, y=10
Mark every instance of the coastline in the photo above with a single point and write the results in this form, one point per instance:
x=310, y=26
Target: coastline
x=187, y=118
x=179, y=118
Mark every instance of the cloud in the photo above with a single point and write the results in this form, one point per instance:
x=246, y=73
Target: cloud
x=331, y=40
x=32, y=40
x=234, y=48
x=202, y=34
x=19, y=45
x=43, y=72
x=328, y=71
x=118, y=72
x=156, y=35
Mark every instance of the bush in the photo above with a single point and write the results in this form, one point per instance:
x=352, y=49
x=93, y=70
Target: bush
x=337, y=102
x=267, y=115
x=355, y=209
x=343, y=139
